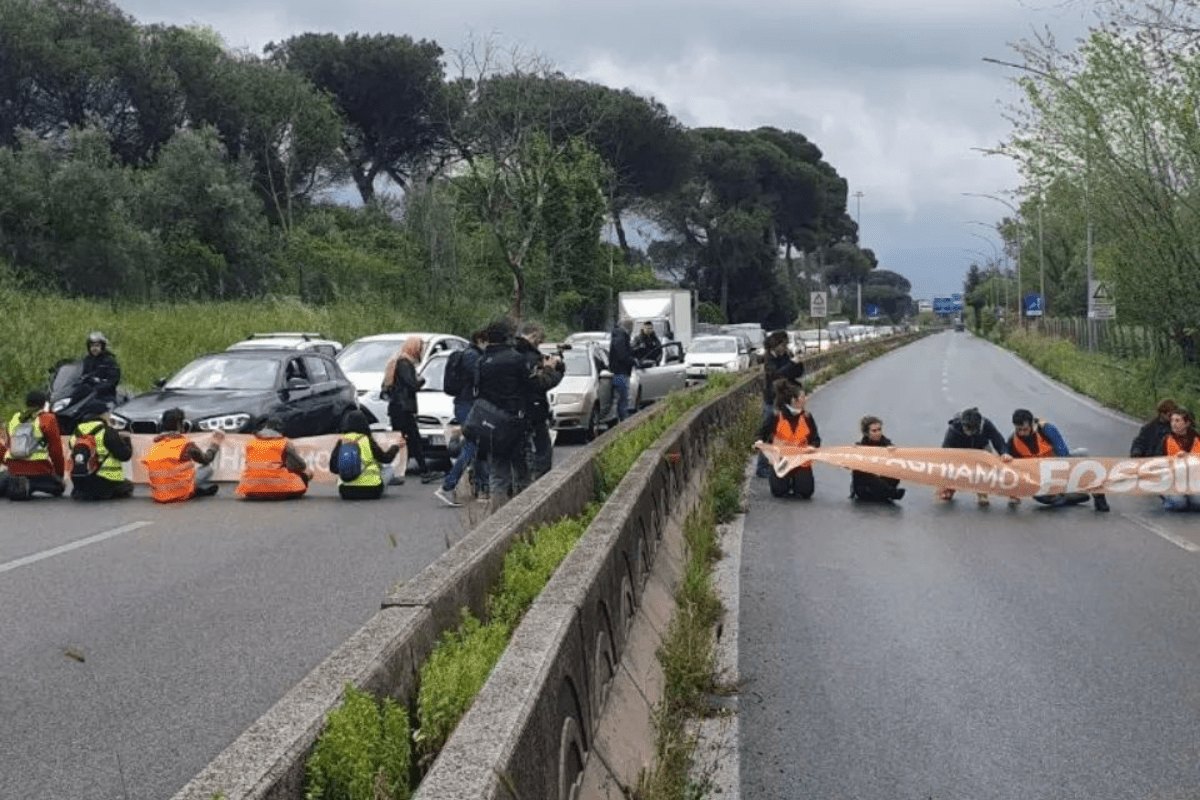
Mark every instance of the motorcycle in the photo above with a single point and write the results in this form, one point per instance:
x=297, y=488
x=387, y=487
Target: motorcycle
x=73, y=401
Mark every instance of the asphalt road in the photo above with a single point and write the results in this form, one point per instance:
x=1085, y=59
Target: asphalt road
x=190, y=620
x=941, y=650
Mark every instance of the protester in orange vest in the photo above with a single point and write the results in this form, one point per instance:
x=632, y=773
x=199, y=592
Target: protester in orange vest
x=173, y=459
x=1182, y=440
x=273, y=469
x=1033, y=438
x=791, y=426
x=34, y=455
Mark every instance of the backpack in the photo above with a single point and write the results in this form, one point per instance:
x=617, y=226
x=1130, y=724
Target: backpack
x=85, y=460
x=349, y=462
x=455, y=379
x=23, y=443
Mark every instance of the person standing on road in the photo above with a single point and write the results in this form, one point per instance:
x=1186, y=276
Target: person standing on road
x=34, y=457
x=1033, y=438
x=1181, y=440
x=791, y=425
x=969, y=430
x=273, y=469
x=621, y=362
x=375, y=470
x=178, y=468
x=505, y=382
x=400, y=386
x=547, y=372
x=780, y=364
x=1149, y=439
x=865, y=485
x=463, y=400
x=112, y=448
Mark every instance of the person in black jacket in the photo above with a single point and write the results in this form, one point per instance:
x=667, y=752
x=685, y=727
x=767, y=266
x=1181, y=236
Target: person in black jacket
x=1148, y=441
x=377, y=470
x=865, y=485
x=969, y=430
x=780, y=365
x=791, y=425
x=463, y=400
x=400, y=386
x=100, y=376
x=547, y=372
x=647, y=347
x=621, y=362
x=505, y=382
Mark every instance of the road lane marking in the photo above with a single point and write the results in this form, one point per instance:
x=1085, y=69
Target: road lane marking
x=66, y=548
x=1178, y=541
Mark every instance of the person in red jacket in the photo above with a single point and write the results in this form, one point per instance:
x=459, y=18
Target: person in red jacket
x=34, y=454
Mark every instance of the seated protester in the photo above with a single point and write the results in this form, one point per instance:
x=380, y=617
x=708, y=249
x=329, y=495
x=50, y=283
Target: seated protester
x=791, y=426
x=780, y=364
x=1040, y=439
x=865, y=485
x=173, y=459
x=970, y=431
x=372, y=463
x=1181, y=440
x=1149, y=439
x=34, y=456
x=97, y=451
x=273, y=470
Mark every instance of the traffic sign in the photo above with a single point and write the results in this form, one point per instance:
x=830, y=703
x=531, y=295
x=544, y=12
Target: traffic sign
x=1033, y=305
x=1101, y=302
x=817, y=306
x=872, y=311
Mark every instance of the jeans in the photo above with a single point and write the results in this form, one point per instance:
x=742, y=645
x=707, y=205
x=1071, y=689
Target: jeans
x=466, y=455
x=505, y=475
x=621, y=395
x=541, y=454
x=1179, y=502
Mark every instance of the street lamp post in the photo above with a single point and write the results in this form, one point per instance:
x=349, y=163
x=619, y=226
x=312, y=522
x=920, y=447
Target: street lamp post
x=858, y=196
x=1017, y=216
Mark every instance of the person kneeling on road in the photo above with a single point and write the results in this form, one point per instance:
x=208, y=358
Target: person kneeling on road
x=969, y=430
x=364, y=472
x=97, y=451
x=867, y=486
x=179, y=470
x=34, y=456
x=1034, y=438
x=793, y=427
x=273, y=470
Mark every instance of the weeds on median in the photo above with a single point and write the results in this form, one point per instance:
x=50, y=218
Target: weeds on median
x=363, y=754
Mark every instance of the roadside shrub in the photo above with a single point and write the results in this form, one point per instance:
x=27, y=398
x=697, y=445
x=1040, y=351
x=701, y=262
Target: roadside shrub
x=363, y=753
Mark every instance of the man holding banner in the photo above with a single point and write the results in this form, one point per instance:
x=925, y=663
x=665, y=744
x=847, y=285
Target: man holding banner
x=969, y=430
x=1040, y=439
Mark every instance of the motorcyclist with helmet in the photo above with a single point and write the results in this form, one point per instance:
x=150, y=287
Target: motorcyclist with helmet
x=100, y=376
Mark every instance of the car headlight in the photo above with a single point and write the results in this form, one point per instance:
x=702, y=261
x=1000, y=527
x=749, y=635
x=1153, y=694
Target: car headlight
x=60, y=405
x=117, y=422
x=567, y=399
x=225, y=422
x=731, y=366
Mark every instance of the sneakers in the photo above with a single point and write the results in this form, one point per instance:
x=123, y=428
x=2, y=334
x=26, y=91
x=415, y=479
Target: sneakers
x=446, y=497
x=1100, y=502
x=18, y=488
x=982, y=500
x=430, y=476
x=897, y=494
x=207, y=491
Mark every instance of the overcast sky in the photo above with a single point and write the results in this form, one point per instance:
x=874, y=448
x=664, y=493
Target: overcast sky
x=894, y=92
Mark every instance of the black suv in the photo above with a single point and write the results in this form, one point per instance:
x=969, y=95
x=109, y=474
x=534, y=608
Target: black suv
x=233, y=391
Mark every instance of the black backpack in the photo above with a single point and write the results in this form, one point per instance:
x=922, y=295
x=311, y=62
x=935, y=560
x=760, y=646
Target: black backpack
x=456, y=378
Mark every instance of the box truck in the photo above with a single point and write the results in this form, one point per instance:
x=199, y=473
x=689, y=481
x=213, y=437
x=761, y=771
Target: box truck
x=671, y=311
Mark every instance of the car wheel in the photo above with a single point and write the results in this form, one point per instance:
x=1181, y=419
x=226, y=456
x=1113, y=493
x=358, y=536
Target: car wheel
x=593, y=427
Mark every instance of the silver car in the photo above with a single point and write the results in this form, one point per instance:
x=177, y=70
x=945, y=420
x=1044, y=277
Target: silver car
x=583, y=401
x=656, y=379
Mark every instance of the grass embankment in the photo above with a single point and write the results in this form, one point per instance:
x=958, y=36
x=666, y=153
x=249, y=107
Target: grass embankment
x=154, y=341
x=1132, y=385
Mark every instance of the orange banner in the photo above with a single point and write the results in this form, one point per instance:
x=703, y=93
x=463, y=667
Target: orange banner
x=231, y=456
x=981, y=471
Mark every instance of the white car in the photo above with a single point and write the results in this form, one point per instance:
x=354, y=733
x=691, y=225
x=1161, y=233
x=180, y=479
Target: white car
x=813, y=340
x=435, y=410
x=583, y=400
x=315, y=342
x=720, y=353
x=365, y=359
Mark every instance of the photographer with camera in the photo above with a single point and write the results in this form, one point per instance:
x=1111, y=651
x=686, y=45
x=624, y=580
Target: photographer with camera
x=547, y=372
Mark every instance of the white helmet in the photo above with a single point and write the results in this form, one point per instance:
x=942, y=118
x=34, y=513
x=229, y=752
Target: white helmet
x=97, y=336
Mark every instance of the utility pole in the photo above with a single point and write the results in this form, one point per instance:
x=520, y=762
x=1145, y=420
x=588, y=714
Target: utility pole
x=858, y=196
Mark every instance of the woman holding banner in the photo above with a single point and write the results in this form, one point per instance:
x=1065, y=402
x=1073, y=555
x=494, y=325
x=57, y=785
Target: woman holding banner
x=792, y=427
x=865, y=485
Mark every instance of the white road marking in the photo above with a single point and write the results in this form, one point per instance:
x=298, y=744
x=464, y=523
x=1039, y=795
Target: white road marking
x=66, y=548
x=1178, y=541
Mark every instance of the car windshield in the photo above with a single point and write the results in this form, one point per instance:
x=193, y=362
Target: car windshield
x=227, y=373
x=368, y=356
x=577, y=362
x=714, y=346
x=434, y=373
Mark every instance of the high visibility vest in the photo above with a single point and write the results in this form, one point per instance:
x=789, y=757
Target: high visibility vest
x=110, y=466
x=42, y=453
x=172, y=475
x=371, y=474
x=1174, y=448
x=265, y=474
x=787, y=436
x=1021, y=449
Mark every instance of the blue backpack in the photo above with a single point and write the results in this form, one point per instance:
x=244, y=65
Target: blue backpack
x=349, y=461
